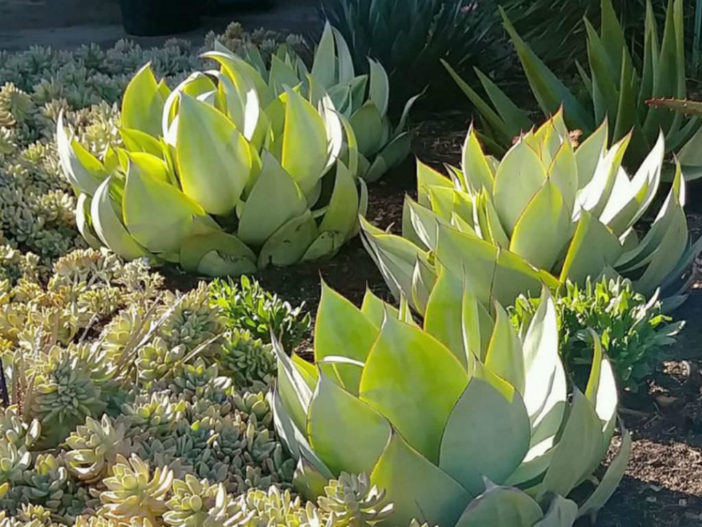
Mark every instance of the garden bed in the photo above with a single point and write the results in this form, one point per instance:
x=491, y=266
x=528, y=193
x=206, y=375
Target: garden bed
x=663, y=482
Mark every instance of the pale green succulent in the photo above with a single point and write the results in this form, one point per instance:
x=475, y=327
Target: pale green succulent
x=15, y=430
x=192, y=501
x=419, y=406
x=249, y=362
x=190, y=319
x=93, y=448
x=355, y=502
x=64, y=394
x=133, y=491
x=363, y=99
x=201, y=162
x=546, y=213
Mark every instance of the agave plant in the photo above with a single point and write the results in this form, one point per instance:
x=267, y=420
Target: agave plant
x=548, y=212
x=218, y=175
x=363, y=99
x=554, y=29
x=616, y=88
x=409, y=38
x=415, y=408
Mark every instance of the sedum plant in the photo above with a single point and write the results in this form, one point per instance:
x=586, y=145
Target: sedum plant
x=418, y=406
x=633, y=330
x=616, y=87
x=549, y=211
x=364, y=100
x=219, y=175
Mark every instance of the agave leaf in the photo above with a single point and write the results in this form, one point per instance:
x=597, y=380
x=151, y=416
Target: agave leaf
x=157, y=214
x=143, y=103
x=422, y=359
x=516, y=119
x=548, y=89
x=593, y=197
x=294, y=393
x=630, y=199
x=367, y=124
x=545, y=387
x=342, y=212
x=352, y=444
x=216, y=254
x=304, y=142
x=504, y=354
x=282, y=76
x=443, y=322
x=107, y=221
x=394, y=256
x=309, y=480
x=605, y=74
x=379, y=92
x=342, y=329
x=543, y=229
x=242, y=74
x=198, y=86
x=502, y=442
x=427, y=178
x=563, y=171
x=592, y=248
x=376, y=310
x=84, y=221
x=83, y=170
x=501, y=507
x=475, y=323
x=389, y=157
x=504, y=131
x=324, y=66
x=589, y=154
x=519, y=177
x=214, y=160
x=627, y=109
x=492, y=273
x=138, y=141
x=274, y=199
x=613, y=36
x=288, y=244
x=346, y=72
x=610, y=480
x=577, y=448
x=417, y=487
x=601, y=391
x=561, y=512
x=477, y=174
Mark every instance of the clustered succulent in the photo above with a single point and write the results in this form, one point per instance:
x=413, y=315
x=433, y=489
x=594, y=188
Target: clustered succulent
x=38, y=206
x=133, y=403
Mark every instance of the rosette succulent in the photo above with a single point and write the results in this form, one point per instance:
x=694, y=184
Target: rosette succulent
x=362, y=99
x=461, y=421
x=220, y=175
x=548, y=212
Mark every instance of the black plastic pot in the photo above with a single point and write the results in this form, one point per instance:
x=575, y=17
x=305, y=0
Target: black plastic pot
x=160, y=17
